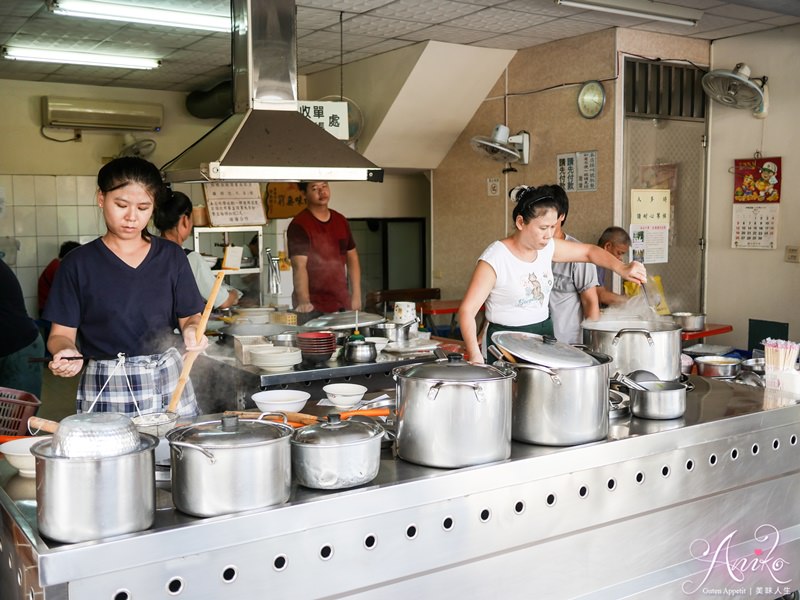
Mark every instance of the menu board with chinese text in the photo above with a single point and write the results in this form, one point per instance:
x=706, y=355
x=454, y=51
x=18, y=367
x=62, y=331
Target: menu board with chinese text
x=577, y=171
x=234, y=203
x=649, y=229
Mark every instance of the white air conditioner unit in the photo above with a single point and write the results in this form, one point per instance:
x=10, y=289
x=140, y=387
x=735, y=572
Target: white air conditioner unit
x=93, y=113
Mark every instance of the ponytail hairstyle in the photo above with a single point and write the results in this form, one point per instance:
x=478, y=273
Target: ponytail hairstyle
x=125, y=170
x=169, y=212
x=532, y=202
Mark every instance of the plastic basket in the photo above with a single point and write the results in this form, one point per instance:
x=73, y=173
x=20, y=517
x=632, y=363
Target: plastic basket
x=16, y=407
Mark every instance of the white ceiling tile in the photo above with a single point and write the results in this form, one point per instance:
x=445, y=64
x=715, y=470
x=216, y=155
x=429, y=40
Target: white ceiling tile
x=732, y=31
x=380, y=27
x=499, y=20
x=353, y=6
x=782, y=21
x=425, y=10
x=451, y=35
x=562, y=28
x=315, y=18
x=541, y=7
x=511, y=42
x=745, y=13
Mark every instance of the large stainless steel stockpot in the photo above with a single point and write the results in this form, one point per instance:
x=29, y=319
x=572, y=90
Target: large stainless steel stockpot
x=560, y=407
x=84, y=498
x=230, y=465
x=336, y=454
x=451, y=413
x=650, y=345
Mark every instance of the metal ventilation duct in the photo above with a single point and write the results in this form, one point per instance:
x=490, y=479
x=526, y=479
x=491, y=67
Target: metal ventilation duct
x=267, y=139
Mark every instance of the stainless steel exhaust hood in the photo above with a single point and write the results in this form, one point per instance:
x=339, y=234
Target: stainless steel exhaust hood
x=267, y=139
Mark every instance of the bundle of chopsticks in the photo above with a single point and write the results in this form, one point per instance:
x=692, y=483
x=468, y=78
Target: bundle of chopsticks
x=780, y=355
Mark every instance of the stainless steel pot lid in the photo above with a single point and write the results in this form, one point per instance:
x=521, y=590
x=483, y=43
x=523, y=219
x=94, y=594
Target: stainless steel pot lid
x=543, y=350
x=335, y=432
x=230, y=432
x=455, y=368
x=344, y=320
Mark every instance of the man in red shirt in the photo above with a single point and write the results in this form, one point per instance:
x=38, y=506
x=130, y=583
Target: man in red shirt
x=323, y=255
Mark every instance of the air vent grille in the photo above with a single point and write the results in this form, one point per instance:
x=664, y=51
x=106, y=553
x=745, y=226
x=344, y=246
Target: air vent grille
x=661, y=90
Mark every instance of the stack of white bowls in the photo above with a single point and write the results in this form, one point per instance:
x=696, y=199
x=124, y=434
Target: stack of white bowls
x=275, y=358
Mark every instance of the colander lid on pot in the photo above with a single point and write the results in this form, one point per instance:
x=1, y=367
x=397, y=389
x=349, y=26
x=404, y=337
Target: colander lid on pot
x=95, y=435
x=543, y=350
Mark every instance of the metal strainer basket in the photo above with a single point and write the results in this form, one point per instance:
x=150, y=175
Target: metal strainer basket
x=95, y=435
x=157, y=424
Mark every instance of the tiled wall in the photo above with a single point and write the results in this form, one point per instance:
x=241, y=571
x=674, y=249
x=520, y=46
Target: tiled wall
x=40, y=212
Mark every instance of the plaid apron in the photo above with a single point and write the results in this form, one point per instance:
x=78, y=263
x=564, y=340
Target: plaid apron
x=150, y=379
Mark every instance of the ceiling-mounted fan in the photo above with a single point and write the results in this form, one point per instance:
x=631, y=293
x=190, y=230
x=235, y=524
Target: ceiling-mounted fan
x=502, y=147
x=735, y=88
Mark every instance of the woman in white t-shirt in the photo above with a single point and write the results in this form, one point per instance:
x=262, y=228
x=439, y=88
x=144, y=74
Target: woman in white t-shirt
x=514, y=276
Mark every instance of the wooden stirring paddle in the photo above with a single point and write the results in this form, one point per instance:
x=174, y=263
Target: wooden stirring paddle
x=231, y=261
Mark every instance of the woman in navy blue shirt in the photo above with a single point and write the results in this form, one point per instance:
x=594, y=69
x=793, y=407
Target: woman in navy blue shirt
x=123, y=295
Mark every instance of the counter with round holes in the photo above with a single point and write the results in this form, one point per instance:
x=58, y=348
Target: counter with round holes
x=706, y=505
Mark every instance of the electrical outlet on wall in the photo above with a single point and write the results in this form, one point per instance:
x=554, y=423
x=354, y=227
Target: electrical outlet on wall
x=792, y=254
x=492, y=186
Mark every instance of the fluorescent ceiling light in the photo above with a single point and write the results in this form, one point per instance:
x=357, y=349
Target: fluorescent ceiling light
x=79, y=58
x=139, y=14
x=645, y=9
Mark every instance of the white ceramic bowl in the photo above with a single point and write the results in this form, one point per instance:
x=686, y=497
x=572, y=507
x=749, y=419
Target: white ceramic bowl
x=281, y=400
x=380, y=342
x=344, y=395
x=18, y=454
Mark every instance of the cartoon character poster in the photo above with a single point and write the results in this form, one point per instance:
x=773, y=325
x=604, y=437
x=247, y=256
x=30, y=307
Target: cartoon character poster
x=757, y=180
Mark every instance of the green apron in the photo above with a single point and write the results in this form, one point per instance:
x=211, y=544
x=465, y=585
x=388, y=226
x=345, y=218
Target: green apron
x=543, y=328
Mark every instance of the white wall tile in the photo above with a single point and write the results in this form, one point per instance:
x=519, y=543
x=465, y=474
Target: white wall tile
x=7, y=222
x=32, y=306
x=67, y=221
x=46, y=249
x=66, y=190
x=26, y=253
x=24, y=190
x=45, y=190
x=46, y=220
x=24, y=220
x=6, y=183
x=89, y=221
x=86, y=190
x=29, y=281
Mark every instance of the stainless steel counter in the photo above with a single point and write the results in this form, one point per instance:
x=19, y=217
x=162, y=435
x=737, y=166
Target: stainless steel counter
x=705, y=505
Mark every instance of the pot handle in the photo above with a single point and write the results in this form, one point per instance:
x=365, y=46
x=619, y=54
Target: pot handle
x=282, y=416
x=179, y=445
x=642, y=331
x=434, y=391
x=553, y=374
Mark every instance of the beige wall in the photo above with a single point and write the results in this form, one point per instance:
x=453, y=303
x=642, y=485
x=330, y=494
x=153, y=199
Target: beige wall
x=542, y=84
x=465, y=218
x=757, y=284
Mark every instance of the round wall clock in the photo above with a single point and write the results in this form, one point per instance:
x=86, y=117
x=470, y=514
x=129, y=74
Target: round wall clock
x=591, y=99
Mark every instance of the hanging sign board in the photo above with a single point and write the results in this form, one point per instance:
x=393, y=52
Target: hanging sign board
x=284, y=200
x=577, y=171
x=233, y=203
x=331, y=116
x=649, y=229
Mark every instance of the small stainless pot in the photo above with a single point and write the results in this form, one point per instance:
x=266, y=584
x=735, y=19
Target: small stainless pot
x=658, y=400
x=230, y=465
x=718, y=366
x=336, y=454
x=360, y=351
x=89, y=498
x=690, y=321
x=391, y=330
